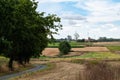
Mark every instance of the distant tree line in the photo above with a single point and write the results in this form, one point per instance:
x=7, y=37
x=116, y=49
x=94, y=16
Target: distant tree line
x=101, y=39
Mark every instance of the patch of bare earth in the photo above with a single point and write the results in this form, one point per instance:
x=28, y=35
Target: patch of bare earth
x=77, y=51
x=62, y=71
x=50, y=51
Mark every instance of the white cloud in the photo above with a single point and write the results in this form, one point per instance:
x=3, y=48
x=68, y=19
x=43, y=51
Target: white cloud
x=100, y=10
x=98, y=22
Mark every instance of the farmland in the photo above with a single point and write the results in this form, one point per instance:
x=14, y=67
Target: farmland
x=59, y=40
x=77, y=64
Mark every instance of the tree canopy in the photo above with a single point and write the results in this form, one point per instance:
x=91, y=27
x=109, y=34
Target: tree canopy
x=24, y=31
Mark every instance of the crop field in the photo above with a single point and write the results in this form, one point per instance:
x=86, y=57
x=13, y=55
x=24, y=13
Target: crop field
x=55, y=51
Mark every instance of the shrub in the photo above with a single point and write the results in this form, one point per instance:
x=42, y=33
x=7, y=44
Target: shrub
x=64, y=47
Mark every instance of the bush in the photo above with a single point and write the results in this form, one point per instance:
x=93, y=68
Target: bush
x=64, y=47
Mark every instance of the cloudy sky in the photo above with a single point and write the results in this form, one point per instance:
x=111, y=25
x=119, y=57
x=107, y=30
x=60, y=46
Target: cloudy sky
x=94, y=18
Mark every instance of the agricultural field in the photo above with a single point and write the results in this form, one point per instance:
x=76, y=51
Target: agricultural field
x=87, y=63
x=59, y=40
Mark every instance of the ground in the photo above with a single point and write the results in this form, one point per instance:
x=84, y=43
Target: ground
x=55, y=51
x=65, y=69
x=62, y=71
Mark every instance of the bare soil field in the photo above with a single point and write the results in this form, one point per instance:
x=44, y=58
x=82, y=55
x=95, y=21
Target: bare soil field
x=55, y=51
x=62, y=71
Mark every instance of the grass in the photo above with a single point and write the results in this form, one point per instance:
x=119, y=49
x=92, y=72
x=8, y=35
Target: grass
x=99, y=55
x=98, y=70
x=102, y=71
x=73, y=44
x=49, y=67
x=114, y=48
x=3, y=60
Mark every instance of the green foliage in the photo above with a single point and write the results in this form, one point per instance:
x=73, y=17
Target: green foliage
x=64, y=47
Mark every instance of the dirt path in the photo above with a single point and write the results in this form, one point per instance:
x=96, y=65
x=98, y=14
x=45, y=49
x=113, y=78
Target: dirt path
x=63, y=71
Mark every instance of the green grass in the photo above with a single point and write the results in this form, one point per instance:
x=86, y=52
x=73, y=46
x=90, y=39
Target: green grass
x=73, y=44
x=99, y=55
x=3, y=60
x=114, y=48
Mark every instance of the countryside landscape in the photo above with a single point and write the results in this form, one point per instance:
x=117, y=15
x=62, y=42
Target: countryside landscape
x=37, y=44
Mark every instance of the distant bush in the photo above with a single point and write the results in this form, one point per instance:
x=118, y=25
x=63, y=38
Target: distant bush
x=64, y=47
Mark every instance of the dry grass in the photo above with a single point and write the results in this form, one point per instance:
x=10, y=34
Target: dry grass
x=62, y=71
x=80, y=70
x=101, y=71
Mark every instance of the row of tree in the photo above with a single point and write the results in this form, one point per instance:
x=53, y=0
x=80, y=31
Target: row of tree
x=24, y=31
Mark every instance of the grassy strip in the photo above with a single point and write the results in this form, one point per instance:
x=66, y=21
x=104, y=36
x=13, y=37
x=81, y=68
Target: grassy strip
x=77, y=46
x=99, y=55
x=114, y=48
x=49, y=67
x=72, y=43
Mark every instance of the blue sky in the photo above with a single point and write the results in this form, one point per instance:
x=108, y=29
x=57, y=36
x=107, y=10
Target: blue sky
x=98, y=18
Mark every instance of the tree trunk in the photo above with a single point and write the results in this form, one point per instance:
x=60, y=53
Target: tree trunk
x=10, y=65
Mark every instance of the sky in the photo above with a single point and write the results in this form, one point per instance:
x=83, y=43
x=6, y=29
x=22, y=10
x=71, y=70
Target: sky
x=88, y=18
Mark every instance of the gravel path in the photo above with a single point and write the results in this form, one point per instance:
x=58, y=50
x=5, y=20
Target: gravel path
x=36, y=68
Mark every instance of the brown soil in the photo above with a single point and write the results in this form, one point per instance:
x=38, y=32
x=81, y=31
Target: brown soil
x=62, y=71
x=55, y=51
x=50, y=51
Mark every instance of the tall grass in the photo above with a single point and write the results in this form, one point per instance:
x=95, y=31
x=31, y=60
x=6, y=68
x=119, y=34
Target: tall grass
x=100, y=71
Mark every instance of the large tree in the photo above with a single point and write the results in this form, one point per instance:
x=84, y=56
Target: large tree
x=24, y=31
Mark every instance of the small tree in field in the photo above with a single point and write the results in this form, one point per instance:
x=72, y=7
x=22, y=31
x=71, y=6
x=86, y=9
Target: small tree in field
x=64, y=47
